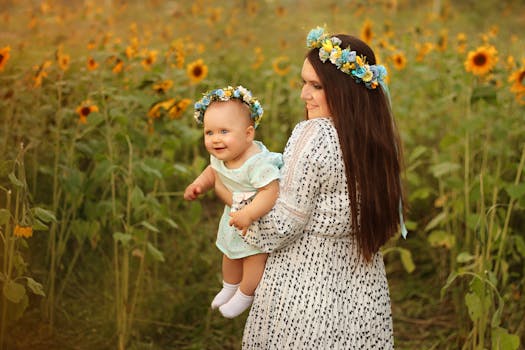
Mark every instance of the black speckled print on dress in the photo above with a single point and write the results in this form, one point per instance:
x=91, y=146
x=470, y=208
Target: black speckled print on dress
x=316, y=293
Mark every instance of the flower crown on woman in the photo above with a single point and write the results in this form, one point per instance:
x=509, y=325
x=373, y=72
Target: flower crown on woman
x=225, y=94
x=346, y=60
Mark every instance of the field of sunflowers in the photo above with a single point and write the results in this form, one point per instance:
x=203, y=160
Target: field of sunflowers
x=98, y=249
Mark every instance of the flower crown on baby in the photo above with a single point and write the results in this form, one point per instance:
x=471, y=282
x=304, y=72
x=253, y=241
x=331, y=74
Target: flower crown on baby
x=345, y=60
x=225, y=94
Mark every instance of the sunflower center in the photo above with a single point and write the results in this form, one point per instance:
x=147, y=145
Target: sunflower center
x=85, y=111
x=197, y=71
x=480, y=59
x=1, y=58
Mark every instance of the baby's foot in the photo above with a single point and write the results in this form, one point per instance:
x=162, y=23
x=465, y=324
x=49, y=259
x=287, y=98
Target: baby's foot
x=237, y=304
x=226, y=293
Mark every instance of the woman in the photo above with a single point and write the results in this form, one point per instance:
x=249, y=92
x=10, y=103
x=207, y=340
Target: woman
x=324, y=285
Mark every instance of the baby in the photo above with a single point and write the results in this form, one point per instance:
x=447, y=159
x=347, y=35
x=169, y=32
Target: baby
x=248, y=173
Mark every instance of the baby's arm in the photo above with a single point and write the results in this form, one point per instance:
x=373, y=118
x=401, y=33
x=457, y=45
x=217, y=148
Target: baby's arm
x=203, y=183
x=262, y=203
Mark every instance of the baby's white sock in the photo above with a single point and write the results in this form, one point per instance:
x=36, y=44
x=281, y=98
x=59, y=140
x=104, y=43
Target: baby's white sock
x=226, y=293
x=237, y=304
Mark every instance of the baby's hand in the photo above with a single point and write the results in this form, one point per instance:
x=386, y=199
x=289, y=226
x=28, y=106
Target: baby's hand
x=240, y=220
x=192, y=192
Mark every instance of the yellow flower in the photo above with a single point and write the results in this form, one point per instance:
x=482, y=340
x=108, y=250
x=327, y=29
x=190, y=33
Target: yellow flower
x=176, y=51
x=4, y=56
x=327, y=45
x=163, y=86
x=91, y=64
x=41, y=73
x=176, y=111
x=517, y=79
x=23, y=231
x=482, y=60
x=151, y=57
x=91, y=45
x=360, y=60
x=62, y=59
x=155, y=110
x=85, y=109
x=461, y=39
x=214, y=16
x=281, y=65
x=280, y=11
x=119, y=65
x=399, y=61
x=196, y=71
x=442, y=41
x=423, y=50
x=367, y=33
x=259, y=57
x=252, y=8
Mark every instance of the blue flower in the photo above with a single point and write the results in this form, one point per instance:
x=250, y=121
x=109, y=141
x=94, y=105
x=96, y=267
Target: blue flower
x=313, y=38
x=359, y=72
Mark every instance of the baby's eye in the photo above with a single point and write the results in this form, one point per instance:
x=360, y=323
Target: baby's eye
x=224, y=131
x=208, y=133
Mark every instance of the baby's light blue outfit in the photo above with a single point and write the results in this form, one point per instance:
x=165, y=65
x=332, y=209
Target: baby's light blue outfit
x=258, y=171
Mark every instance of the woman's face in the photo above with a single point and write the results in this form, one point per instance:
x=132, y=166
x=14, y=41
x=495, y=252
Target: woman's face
x=313, y=93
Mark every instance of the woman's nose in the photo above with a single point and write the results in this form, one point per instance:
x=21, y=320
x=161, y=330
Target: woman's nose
x=305, y=94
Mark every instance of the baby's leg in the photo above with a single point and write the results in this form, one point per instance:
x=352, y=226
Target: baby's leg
x=231, y=274
x=253, y=269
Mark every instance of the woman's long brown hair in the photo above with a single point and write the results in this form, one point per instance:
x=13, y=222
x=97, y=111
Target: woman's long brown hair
x=370, y=146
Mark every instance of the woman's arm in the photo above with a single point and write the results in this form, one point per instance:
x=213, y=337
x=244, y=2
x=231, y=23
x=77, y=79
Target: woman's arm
x=262, y=203
x=203, y=183
x=305, y=156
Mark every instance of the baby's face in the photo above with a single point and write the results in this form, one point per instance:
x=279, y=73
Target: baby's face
x=227, y=131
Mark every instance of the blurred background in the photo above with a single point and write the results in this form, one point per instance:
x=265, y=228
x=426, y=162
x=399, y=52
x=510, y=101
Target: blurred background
x=99, y=250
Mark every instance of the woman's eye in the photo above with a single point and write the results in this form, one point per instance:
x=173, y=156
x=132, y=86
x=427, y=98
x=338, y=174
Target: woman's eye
x=317, y=87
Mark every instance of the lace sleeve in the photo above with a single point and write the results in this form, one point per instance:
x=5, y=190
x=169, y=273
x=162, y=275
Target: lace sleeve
x=302, y=175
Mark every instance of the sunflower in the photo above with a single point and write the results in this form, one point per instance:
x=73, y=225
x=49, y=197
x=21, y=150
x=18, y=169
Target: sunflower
x=517, y=79
x=214, y=16
x=281, y=65
x=176, y=51
x=280, y=11
x=23, y=231
x=4, y=56
x=399, y=60
x=259, y=57
x=41, y=73
x=461, y=40
x=91, y=44
x=149, y=59
x=63, y=61
x=423, y=50
x=176, y=111
x=482, y=60
x=118, y=67
x=252, y=7
x=91, y=64
x=85, y=109
x=367, y=34
x=197, y=71
x=163, y=86
x=442, y=41
x=156, y=109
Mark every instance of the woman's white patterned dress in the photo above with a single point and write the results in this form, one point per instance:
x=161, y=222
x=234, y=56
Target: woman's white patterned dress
x=316, y=292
